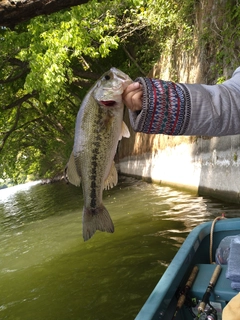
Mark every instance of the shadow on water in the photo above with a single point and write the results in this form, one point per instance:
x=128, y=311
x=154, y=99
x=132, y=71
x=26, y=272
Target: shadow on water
x=47, y=271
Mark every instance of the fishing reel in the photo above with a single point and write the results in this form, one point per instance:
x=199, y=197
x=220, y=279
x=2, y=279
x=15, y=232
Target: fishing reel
x=211, y=313
x=211, y=317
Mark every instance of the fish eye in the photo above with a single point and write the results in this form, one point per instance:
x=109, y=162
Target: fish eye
x=107, y=77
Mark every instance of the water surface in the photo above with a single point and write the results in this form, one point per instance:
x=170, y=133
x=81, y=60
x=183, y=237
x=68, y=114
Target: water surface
x=47, y=271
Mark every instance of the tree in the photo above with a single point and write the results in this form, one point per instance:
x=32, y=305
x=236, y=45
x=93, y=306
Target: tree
x=13, y=12
x=47, y=65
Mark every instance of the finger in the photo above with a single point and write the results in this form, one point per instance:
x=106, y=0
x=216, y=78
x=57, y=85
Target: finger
x=133, y=94
x=132, y=87
x=137, y=101
x=133, y=100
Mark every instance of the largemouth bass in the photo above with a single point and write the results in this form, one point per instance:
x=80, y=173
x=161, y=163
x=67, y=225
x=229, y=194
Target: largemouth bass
x=99, y=127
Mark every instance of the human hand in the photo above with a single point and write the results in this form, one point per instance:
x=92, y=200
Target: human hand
x=132, y=96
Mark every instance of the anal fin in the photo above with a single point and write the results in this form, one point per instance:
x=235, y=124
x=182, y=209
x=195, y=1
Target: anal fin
x=112, y=178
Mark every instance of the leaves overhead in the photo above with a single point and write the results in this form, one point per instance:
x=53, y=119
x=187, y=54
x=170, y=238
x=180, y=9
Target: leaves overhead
x=47, y=65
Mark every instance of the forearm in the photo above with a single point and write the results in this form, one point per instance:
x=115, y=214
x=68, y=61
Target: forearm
x=189, y=109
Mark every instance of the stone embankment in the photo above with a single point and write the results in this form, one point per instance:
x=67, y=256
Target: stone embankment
x=208, y=166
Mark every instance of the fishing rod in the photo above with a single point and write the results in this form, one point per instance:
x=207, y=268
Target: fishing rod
x=212, y=314
x=184, y=293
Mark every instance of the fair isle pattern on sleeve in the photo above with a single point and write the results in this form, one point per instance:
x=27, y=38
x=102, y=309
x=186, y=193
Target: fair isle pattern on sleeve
x=163, y=107
x=186, y=119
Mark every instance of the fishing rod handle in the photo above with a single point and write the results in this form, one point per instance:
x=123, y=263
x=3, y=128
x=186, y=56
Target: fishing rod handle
x=215, y=275
x=207, y=293
x=192, y=277
x=188, y=285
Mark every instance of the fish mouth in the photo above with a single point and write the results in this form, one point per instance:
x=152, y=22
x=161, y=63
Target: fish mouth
x=109, y=103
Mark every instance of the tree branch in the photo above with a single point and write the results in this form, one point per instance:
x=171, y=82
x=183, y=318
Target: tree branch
x=86, y=74
x=134, y=61
x=13, y=12
x=16, y=77
x=14, y=126
x=26, y=124
x=19, y=101
x=82, y=83
x=55, y=123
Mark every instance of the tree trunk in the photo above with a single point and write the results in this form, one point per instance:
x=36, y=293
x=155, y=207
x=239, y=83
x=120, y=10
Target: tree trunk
x=13, y=12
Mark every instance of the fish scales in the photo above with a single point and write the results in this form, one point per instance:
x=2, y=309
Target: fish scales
x=94, y=158
x=99, y=127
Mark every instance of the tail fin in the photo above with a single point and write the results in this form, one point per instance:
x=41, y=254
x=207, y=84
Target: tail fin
x=96, y=219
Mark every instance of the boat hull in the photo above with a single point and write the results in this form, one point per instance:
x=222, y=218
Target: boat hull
x=161, y=304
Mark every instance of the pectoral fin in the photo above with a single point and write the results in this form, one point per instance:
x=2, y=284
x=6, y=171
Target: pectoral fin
x=71, y=174
x=112, y=178
x=124, y=132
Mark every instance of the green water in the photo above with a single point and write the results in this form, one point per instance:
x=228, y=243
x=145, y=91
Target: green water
x=47, y=271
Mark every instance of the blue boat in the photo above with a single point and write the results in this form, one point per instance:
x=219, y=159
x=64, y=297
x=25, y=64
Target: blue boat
x=193, y=262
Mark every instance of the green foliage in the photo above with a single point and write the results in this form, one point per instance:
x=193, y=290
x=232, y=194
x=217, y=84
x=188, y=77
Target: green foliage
x=170, y=20
x=219, y=39
x=47, y=65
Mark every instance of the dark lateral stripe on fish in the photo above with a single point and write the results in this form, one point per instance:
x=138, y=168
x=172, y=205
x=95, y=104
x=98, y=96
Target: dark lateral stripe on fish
x=93, y=174
x=93, y=184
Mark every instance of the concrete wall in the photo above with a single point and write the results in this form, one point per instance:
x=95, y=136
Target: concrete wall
x=210, y=166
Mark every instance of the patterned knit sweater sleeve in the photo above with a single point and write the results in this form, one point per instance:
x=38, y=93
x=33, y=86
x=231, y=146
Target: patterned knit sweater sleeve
x=189, y=109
